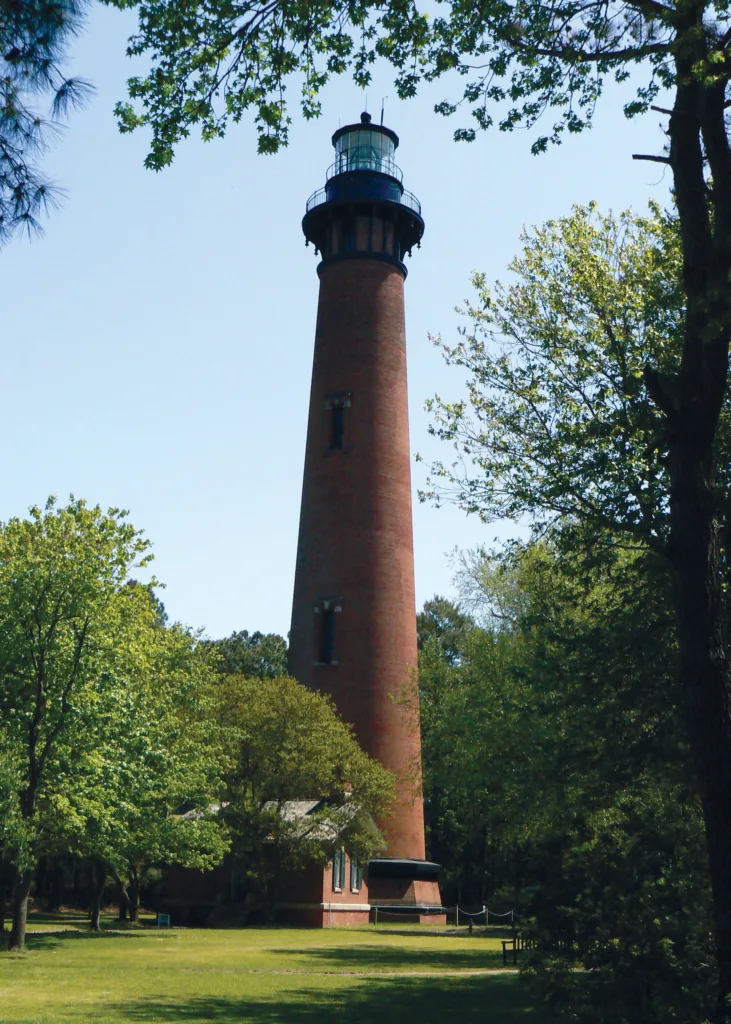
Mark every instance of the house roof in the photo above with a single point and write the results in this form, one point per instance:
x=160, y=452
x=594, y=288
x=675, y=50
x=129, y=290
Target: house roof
x=293, y=810
x=327, y=827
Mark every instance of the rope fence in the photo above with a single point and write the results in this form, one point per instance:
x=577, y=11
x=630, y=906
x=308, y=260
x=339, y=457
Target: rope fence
x=507, y=917
x=485, y=912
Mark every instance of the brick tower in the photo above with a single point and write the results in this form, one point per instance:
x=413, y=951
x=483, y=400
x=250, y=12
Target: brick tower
x=354, y=619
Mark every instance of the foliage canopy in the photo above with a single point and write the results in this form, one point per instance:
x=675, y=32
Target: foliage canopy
x=34, y=35
x=283, y=743
x=213, y=62
x=557, y=424
x=96, y=698
x=557, y=779
x=251, y=654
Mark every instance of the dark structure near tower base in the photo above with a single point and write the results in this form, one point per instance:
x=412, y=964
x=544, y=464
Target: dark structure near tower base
x=354, y=617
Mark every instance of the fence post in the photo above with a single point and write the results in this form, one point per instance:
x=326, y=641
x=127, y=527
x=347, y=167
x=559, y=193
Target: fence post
x=487, y=912
x=375, y=916
x=457, y=915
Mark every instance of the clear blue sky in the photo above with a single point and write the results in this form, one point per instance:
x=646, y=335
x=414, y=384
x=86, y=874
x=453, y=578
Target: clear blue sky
x=157, y=342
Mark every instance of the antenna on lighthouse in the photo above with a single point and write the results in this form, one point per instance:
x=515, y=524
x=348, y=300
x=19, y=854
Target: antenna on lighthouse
x=383, y=107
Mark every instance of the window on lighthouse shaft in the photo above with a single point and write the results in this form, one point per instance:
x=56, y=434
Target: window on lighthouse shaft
x=336, y=406
x=337, y=425
x=327, y=635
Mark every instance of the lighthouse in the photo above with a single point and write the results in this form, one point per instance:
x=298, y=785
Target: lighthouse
x=353, y=633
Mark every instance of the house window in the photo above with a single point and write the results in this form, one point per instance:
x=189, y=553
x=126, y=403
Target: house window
x=356, y=875
x=339, y=866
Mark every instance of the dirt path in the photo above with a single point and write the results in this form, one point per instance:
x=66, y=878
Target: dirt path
x=466, y=973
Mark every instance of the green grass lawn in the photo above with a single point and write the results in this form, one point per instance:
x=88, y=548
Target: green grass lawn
x=363, y=975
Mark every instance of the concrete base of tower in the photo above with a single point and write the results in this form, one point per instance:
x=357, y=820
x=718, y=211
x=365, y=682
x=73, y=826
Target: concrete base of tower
x=405, y=889
x=389, y=915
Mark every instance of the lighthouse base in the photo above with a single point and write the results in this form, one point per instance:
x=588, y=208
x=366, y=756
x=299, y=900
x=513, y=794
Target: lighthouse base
x=402, y=889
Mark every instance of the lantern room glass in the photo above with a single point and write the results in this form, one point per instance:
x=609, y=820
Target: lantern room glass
x=365, y=150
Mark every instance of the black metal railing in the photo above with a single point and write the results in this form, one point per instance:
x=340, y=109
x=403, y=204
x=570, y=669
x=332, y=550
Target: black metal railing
x=358, y=160
x=407, y=199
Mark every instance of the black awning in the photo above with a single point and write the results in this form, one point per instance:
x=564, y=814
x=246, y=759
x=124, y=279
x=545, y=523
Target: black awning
x=402, y=867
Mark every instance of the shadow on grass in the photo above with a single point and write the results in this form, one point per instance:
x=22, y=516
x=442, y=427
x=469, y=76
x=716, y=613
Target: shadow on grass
x=61, y=917
x=450, y=932
x=362, y=957
x=80, y=919
x=52, y=940
x=498, y=1000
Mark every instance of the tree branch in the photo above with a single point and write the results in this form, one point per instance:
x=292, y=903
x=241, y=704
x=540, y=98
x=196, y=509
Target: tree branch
x=649, y=156
x=651, y=6
x=66, y=693
x=571, y=56
x=663, y=390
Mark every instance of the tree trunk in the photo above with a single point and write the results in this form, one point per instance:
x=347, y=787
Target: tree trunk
x=134, y=898
x=124, y=901
x=3, y=895
x=134, y=905
x=707, y=681
x=21, y=893
x=692, y=402
x=98, y=885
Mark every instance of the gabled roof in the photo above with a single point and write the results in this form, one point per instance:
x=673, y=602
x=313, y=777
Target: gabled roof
x=328, y=828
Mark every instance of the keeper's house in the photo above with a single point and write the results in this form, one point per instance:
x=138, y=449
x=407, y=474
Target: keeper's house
x=320, y=897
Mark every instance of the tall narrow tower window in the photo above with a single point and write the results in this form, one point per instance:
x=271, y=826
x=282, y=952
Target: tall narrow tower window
x=327, y=635
x=336, y=406
x=338, y=422
x=324, y=648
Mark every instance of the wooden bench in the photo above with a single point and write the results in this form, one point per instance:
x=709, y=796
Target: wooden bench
x=516, y=945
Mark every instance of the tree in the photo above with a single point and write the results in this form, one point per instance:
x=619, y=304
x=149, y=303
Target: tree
x=154, y=757
x=557, y=778
x=281, y=742
x=68, y=623
x=251, y=654
x=443, y=622
x=559, y=422
x=34, y=35
x=557, y=425
x=9, y=785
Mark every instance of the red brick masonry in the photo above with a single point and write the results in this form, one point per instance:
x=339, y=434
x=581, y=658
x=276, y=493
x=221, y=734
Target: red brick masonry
x=355, y=546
